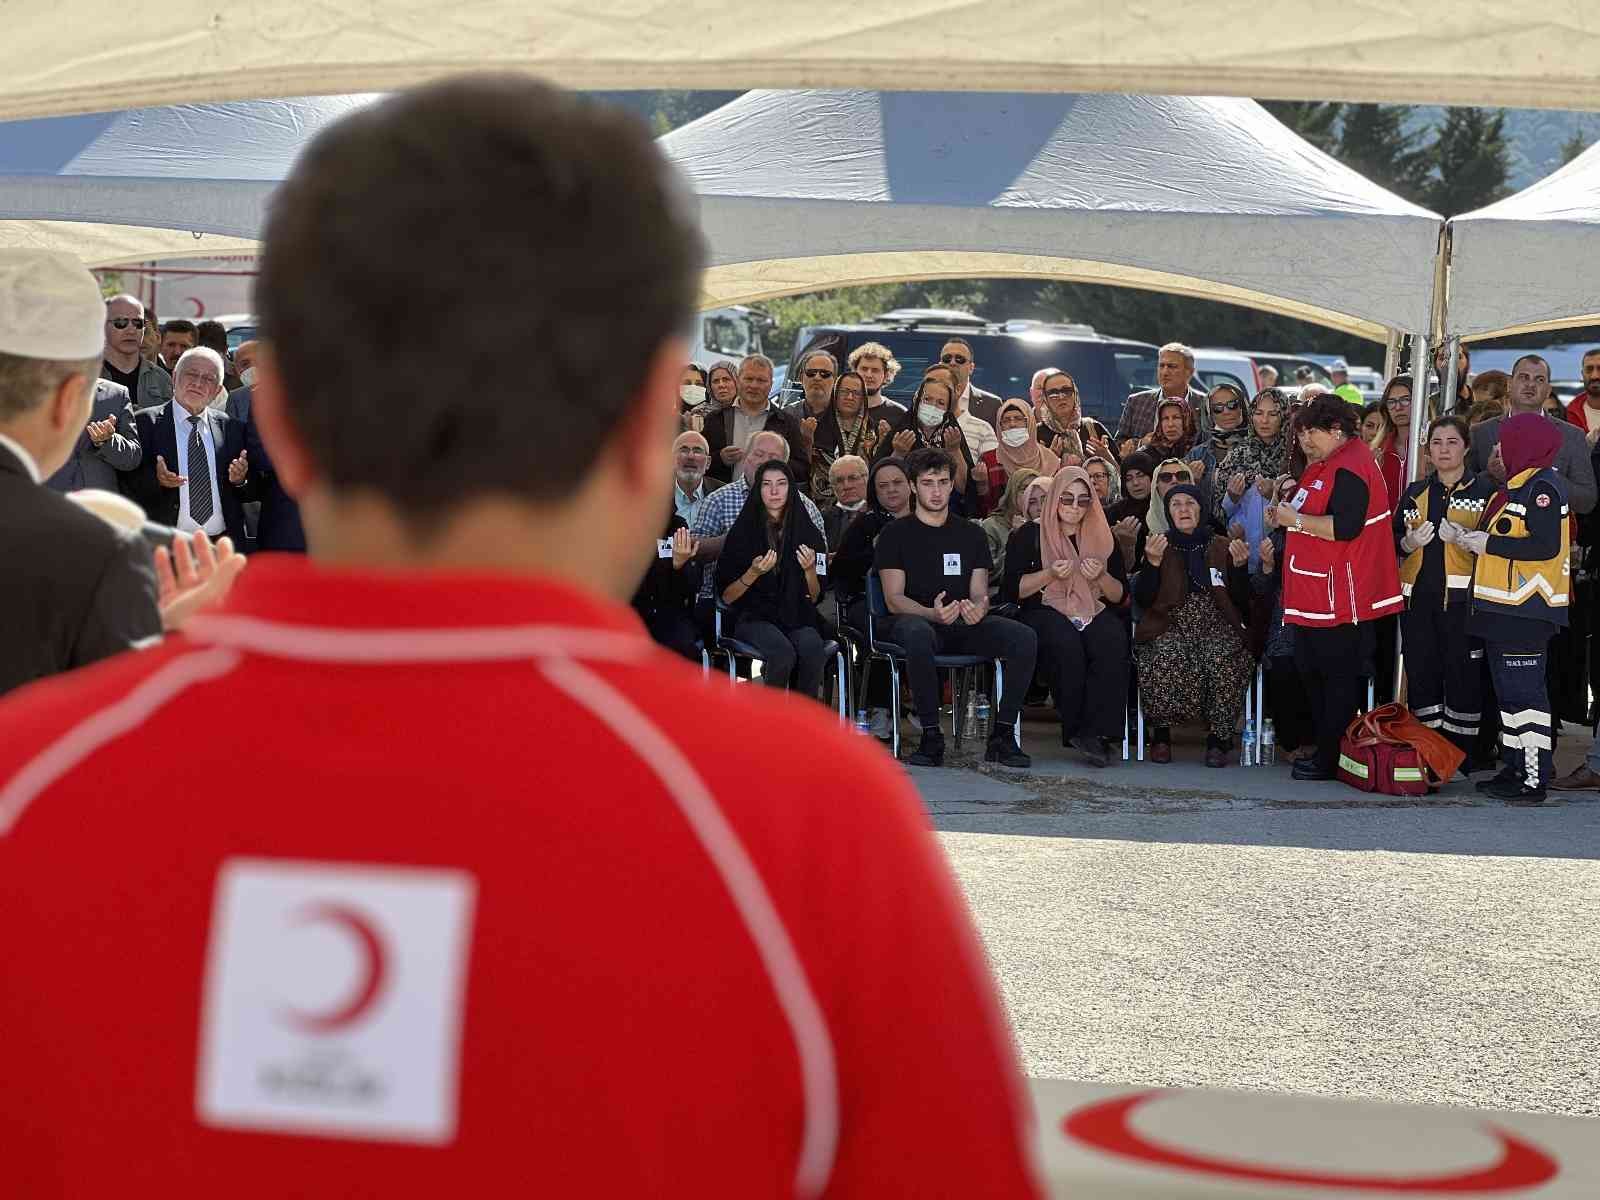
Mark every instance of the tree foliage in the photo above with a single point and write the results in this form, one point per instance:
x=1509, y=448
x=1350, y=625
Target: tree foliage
x=1573, y=146
x=1471, y=161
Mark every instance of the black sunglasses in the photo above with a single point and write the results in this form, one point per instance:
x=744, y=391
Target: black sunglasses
x=1223, y=406
x=822, y=374
x=124, y=322
x=958, y=359
x=1171, y=477
x=1053, y=392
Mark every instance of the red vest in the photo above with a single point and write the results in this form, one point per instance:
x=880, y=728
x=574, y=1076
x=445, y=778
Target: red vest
x=1338, y=583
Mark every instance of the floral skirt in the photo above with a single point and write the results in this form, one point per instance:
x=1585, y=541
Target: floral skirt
x=1197, y=670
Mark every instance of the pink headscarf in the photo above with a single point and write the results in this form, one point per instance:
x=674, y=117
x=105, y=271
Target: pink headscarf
x=1030, y=455
x=1074, y=597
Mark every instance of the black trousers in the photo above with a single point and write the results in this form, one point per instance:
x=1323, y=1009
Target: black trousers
x=1084, y=668
x=1288, y=706
x=1333, y=664
x=993, y=637
x=1386, y=648
x=797, y=654
x=674, y=629
x=1527, y=734
x=1444, y=671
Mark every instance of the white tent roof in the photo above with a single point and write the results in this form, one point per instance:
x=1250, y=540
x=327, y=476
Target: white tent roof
x=1204, y=197
x=90, y=56
x=1526, y=262
x=141, y=184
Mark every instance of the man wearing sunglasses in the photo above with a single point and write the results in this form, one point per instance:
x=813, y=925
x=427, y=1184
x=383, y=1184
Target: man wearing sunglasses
x=976, y=410
x=148, y=385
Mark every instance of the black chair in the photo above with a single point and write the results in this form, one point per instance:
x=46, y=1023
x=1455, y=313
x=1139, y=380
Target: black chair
x=733, y=649
x=881, y=650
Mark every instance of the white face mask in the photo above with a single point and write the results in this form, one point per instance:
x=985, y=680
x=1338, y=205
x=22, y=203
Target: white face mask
x=930, y=415
x=1015, y=438
x=691, y=395
x=248, y=377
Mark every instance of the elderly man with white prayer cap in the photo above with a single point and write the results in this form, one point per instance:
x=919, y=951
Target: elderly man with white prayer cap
x=77, y=587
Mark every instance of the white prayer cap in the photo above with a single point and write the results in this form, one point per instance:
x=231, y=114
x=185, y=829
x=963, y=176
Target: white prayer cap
x=50, y=307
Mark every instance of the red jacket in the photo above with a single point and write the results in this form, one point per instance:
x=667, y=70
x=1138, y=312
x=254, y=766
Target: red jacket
x=1577, y=413
x=404, y=886
x=1330, y=583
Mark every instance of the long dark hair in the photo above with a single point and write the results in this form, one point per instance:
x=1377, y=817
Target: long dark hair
x=882, y=464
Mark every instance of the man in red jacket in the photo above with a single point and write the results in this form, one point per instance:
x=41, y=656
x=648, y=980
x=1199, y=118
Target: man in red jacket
x=420, y=870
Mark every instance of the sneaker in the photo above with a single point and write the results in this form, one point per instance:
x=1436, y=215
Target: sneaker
x=1581, y=780
x=878, y=724
x=1514, y=791
x=931, y=752
x=1003, y=749
x=1092, y=748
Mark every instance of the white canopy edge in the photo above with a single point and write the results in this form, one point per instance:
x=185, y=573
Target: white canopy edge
x=116, y=245
x=745, y=283
x=84, y=56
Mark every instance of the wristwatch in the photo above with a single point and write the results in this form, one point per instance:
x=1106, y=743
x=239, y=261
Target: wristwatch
x=1299, y=525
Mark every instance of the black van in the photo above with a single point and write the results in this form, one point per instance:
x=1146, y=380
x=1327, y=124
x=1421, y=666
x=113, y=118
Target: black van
x=1106, y=369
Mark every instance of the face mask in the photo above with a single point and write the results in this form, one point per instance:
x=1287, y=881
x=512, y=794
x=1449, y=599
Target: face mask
x=929, y=415
x=248, y=377
x=1015, y=438
x=691, y=395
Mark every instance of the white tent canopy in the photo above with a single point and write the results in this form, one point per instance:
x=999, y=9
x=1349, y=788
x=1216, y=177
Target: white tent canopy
x=1205, y=197
x=88, y=56
x=1525, y=262
x=188, y=180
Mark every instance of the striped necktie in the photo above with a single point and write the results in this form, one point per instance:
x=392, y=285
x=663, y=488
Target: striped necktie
x=200, y=500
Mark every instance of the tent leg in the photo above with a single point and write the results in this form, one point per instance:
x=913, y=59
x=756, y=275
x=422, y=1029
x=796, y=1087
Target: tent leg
x=1391, y=355
x=1451, y=379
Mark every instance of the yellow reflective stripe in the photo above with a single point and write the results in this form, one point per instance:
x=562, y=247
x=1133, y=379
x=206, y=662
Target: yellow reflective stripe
x=1359, y=770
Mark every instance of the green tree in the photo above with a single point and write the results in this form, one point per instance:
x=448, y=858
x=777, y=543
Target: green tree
x=1375, y=140
x=1315, y=120
x=1471, y=161
x=1573, y=146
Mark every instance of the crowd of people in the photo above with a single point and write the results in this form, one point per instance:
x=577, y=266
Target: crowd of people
x=1209, y=534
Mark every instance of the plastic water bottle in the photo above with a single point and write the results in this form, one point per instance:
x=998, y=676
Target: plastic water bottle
x=969, y=722
x=1247, y=753
x=1269, y=745
x=863, y=724
x=983, y=716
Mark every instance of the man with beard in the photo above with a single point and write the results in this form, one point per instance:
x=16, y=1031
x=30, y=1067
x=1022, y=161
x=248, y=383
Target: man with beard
x=877, y=366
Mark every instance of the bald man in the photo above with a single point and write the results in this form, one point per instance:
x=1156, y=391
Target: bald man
x=691, y=455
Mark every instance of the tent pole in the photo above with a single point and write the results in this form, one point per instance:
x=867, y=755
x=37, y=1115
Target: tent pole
x=1419, y=429
x=1391, y=355
x=1452, y=372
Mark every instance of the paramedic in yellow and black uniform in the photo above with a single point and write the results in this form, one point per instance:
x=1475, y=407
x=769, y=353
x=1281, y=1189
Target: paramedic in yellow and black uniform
x=1444, y=676
x=1519, y=599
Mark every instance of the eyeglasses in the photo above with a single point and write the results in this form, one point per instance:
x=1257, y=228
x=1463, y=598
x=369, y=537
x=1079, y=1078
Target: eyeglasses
x=1076, y=502
x=1171, y=477
x=1052, y=393
x=694, y=452
x=124, y=322
x=200, y=377
x=959, y=359
x=1399, y=398
x=1223, y=406
x=822, y=374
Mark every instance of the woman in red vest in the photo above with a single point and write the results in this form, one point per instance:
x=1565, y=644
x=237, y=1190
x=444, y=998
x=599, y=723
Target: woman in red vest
x=1340, y=574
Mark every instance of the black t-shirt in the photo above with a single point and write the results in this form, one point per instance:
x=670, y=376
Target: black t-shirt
x=935, y=558
x=128, y=379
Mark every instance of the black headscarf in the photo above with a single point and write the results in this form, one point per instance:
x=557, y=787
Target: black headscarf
x=933, y=438
x=780, y=595
x=1128, y=506
x=1192, y=546
x=831, y=441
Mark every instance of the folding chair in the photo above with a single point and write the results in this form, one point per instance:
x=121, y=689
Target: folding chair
x=734, y=649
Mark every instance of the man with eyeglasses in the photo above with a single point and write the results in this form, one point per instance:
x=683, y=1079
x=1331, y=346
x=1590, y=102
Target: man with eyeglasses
x=148, y=385
x=195, y=473
x=1174, y=378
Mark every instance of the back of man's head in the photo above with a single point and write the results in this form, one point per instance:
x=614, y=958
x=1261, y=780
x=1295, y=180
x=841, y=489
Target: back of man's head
x=539, y=235
x=212, y=336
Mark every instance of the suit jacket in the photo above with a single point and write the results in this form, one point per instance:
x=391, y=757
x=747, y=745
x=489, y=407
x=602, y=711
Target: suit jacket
x=77, y=588
x=94, y=466
x=985, y=405
x=158, y=436
x=718, y=433
x=1140, y=411
x=154, y=386
x=1572, y=460
x=279, y=526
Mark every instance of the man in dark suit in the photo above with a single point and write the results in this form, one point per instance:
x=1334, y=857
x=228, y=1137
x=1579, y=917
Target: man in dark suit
x=110, y=443
x=201, y=477
x=958, y=356
x=77, y=589
x=728, y=430
x=278, y=526
x=1530, y=388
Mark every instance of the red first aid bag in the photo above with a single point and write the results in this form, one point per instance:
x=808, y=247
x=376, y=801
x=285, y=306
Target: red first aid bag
x=1390, y=752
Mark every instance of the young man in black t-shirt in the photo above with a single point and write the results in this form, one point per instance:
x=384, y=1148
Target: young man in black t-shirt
x=935, y=573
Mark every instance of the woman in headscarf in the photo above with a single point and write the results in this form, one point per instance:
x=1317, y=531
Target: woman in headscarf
x=767, y=576
x=1169, y=474
x=1007, y=517
x=931, y=422
x=1175, y=434
x=1064, y=572
x=1520, y=597
x=1229, y=428
x=1190, y=642
x=1247, y=478
x=1019, y=450
x=1128, y=515
x=844, y=428
x=1063, y=414
x=1103, y=474
x=722, y=382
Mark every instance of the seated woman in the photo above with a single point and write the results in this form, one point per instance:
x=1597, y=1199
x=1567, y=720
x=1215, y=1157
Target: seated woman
x=1018, y=450
x=665, y=599
x=1007, y=517
x=1228, y=429
x=1190, y=639
x=1103, y=474
x=767, y=575
x=1175, y=434
x=1128, y=515
x=931, y=422
x=1169, y=475
x=1247, y=479
x=843, y=429
x=1064, y=573
x=888, y=499
x=1064, y=420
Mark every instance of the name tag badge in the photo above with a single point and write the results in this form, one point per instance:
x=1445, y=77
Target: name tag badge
x=952, y=564
x=1216, y=577
x=822, y=564
x=664, y=548
x=1299, y=500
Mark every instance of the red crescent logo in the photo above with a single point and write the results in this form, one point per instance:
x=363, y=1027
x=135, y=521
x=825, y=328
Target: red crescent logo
x=375, y=963
x=199, y=305
x=1104, y=1126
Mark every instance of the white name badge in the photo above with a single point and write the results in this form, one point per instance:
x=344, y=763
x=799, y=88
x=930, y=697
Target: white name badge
x=822, y=564
x=1300, y=499
x=1216, y=577
x=952, y=564
x=664, y=548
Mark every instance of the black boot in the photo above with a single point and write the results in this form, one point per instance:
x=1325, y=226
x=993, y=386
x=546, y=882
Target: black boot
x=931, y=752
x=1003, y=749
